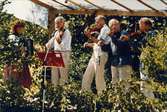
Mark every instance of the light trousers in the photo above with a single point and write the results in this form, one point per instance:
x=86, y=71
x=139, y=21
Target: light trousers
x=120, y=73
x=59, y=76
x=145, y=87
x=95, y=69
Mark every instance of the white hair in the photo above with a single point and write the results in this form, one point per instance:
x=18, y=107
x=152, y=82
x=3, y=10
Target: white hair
x=60, y=18
x=112, y=21
x=146, y=20
x=100, y=17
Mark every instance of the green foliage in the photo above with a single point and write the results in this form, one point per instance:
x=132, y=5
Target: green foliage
x=80, y=55
x=13, y=92
x=74, y=99
x=154, y=57
x=70, y=97
x=12, y=96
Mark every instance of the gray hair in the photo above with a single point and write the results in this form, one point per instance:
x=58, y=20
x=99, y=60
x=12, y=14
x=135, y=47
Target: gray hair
x=60, y=18
x=113, y=21
x=147, y=21
x=100, y=17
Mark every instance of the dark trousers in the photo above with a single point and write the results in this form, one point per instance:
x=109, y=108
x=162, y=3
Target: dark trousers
x=136, y=67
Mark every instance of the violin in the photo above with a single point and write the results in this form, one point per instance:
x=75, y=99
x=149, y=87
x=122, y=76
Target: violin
x=91, y=28
x=91, y=31
x=130, y=35
x=135, y=34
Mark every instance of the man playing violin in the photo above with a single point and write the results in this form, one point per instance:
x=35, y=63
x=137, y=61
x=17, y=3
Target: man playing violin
x=99, y=57
x=120, y=53
x=60, y=41
x=137, y=41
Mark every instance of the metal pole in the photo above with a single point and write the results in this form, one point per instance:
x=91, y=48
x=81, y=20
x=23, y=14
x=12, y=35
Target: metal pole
x=44, y=82
x=44, y=91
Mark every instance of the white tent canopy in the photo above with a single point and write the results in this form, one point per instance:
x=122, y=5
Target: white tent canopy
x=27, y=10
x=42, y=12
x=104, y=7
x=108, y=7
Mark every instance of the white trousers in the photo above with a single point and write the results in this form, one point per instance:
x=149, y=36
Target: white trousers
x=59, y=76
x=121, y=73
x=97, y=70
x=145, y=87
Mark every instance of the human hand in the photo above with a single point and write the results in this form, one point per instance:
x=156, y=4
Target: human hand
x=87, y=32
x=100, y=43
x=88, y=45
x=124, y=38
x=61, y=33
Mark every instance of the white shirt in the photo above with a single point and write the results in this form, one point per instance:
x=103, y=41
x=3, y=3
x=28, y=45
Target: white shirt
x=104, y=34
x=65, y=44
x=15, y=39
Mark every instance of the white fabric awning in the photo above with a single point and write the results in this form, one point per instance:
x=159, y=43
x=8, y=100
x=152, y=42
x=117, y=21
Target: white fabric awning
x=108, y=7
x=36, y=11
x=27, y=10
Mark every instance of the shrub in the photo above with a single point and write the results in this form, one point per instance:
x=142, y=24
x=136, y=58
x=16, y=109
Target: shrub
x=154, y=57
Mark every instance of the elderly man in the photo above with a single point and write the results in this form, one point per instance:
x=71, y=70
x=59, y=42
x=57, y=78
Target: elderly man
x=137, y=42
x=121, y=59
x=61, y=41
x=98, y=59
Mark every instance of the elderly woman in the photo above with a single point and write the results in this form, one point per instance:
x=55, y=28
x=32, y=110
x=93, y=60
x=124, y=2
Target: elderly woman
x=16, y=69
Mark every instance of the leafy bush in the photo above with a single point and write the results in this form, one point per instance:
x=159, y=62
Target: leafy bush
x=69, y=97
x=154, y=57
